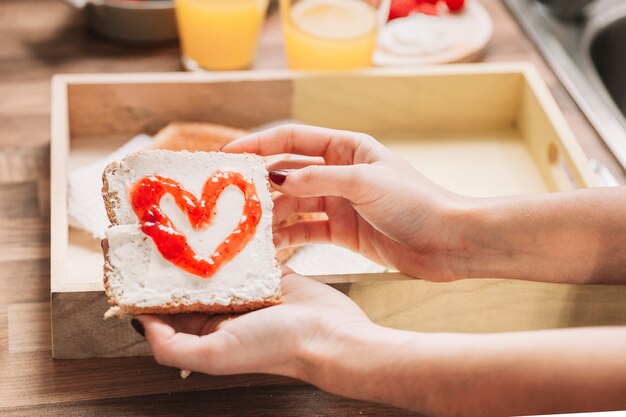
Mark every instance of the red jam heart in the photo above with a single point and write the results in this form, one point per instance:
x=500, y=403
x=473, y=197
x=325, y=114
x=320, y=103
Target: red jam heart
x=145, y=197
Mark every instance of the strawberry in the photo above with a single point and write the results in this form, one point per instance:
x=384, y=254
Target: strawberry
x=427, y=1
x=401, y=8
x=455, y=6
x=426, y=8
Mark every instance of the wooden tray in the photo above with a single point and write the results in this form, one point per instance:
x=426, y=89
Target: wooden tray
x=477, y=129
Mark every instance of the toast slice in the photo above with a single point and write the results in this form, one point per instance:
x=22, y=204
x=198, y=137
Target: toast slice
x=195, y=136
x=190, y=232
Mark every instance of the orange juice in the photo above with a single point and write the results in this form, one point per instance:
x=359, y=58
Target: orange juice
x=329, y=34
x=219, y=34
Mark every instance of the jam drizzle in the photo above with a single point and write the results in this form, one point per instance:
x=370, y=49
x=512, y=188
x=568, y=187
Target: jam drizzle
x=145, y=197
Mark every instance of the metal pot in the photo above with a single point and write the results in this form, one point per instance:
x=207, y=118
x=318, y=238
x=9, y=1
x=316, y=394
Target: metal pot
x=131, y=21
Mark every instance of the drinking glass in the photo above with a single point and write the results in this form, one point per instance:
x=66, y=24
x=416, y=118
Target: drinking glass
x=331, y=34
x=219, y=34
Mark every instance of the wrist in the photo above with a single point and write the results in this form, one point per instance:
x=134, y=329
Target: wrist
x=500, y=237
x=401, y=368
x=463, y=222
x=316, y=356
x=331, y=359
x=369, y=362
x=477, y=245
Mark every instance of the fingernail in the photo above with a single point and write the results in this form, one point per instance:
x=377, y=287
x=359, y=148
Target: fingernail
x=138, y=327
x=278, y=177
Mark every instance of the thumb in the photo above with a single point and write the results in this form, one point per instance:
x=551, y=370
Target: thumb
x=319, y=181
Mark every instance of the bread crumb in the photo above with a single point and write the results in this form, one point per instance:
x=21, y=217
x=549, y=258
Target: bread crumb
x=184, y=373
x=115, y=312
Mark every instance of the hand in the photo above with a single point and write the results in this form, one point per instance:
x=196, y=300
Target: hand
x=319, y=336
x=272, y=340
x=376, y=203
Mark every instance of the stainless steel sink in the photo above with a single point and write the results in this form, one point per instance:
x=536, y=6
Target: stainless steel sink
x=608, y=53
x=588, y=54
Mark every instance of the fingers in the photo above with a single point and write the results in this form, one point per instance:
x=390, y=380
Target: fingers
x=320, y=180
x=303, y=233
x=301, y=140
x=293, y=163
x=183, y=350
x=286, y=205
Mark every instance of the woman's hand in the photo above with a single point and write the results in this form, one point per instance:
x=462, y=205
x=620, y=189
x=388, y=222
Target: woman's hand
x=376, y=203
x=320, y=336
x=273, y=340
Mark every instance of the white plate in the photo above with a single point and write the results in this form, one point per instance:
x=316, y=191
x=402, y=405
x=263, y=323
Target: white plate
x=466, y=35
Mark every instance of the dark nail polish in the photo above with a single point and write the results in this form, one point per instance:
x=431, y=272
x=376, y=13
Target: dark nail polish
x=138, y=327
x=278, y=177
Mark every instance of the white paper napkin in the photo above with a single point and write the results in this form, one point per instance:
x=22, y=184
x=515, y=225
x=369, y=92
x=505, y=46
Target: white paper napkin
x=330, y=260
x=84, y=198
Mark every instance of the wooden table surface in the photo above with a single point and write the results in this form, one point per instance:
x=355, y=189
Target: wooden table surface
x=38, y=39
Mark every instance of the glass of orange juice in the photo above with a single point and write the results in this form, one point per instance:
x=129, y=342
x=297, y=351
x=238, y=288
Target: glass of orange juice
x=331, y=34
x=219, y=34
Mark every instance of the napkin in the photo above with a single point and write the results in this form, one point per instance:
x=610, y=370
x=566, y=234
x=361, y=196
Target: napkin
x=84, y=196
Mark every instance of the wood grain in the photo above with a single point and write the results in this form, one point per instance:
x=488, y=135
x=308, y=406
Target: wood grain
x=44, y=37
x=28, y=327
x=426, y=103
x=274, y=401
x=32, y=377
x=231, y=104
x=489, y=305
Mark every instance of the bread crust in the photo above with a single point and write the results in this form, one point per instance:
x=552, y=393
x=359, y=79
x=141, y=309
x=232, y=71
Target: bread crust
x=284, y=254
x=111, y=199
x=233, y=308
x=194, y=136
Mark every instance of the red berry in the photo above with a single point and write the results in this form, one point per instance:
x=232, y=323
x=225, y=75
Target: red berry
x=426, y=8
x=427, y=1
x=455, y=6
x=401, y=8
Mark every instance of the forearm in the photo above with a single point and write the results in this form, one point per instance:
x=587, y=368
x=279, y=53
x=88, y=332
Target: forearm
x=577, y=237
x=461, y=374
